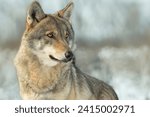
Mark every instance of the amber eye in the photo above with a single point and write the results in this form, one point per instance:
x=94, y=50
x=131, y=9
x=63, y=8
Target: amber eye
x=67, y=35
x=50, y=35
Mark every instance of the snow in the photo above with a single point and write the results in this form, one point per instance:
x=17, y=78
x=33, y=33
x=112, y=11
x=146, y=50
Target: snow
x=130, y=71
x=8, y=81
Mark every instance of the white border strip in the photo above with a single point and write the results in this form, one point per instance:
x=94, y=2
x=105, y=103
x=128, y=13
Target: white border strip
x=64, y=108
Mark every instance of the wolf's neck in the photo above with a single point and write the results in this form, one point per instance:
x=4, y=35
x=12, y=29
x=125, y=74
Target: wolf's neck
x=46, y=78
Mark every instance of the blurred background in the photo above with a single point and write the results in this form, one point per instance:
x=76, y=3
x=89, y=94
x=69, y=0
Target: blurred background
x=112, y=37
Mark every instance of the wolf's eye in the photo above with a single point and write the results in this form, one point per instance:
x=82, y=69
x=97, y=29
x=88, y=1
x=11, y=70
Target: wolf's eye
x=50, y=35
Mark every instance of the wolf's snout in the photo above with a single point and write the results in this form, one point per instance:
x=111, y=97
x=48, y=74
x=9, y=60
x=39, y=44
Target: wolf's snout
x=69, y=55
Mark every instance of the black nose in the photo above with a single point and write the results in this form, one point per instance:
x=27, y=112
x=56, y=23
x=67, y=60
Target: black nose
x=69, y=55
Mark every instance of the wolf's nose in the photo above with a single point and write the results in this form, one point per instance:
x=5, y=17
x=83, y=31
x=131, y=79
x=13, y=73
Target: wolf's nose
x=69, y=55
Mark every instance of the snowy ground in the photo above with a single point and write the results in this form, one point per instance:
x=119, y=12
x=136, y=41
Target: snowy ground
x=8, y=80
x=130, y=71
x=126, y=69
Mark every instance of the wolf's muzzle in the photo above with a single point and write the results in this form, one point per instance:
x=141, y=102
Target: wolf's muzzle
x=68, y=57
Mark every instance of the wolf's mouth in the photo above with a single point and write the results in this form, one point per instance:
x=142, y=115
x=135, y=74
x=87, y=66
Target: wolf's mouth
x=55, y=59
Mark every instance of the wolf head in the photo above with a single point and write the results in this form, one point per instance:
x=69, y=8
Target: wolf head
x=50, y=36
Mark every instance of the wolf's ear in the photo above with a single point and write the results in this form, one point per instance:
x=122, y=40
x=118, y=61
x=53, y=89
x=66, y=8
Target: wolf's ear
x=67, y=11
x=34, y=14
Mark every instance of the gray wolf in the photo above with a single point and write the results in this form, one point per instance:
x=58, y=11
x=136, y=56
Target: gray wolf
x=45, y=62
